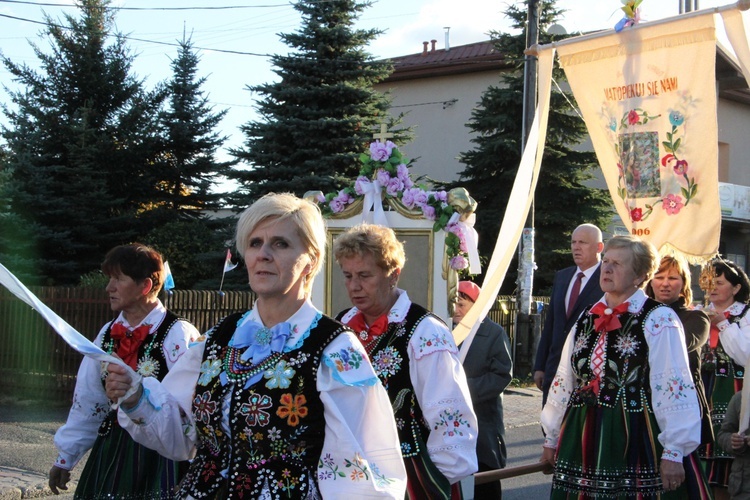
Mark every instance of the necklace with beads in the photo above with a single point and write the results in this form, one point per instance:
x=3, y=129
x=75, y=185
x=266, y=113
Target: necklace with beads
x=239, y=371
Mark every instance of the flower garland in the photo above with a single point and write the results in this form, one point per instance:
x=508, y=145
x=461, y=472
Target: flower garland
x=386, y=171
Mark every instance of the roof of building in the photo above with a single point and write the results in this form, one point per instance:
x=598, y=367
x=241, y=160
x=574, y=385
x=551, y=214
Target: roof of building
x=731, y=82
x=431, y=62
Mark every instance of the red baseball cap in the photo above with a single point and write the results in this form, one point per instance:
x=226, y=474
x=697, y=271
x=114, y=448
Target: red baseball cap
x=470, y=289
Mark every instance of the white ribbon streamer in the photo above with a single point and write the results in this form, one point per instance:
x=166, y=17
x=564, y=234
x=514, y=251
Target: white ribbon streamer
x=67, y=332
x=372, y=211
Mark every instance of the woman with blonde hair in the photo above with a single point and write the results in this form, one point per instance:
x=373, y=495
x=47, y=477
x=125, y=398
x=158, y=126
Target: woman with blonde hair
x=279, y=401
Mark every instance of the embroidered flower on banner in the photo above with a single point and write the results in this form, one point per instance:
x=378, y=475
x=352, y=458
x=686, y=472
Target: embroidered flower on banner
x=672, y=159
x=385, y=165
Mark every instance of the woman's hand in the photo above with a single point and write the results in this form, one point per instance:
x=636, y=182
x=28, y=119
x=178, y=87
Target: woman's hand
x=118, y=383
x=548, y=455
x=672, y=474
x=58, y=478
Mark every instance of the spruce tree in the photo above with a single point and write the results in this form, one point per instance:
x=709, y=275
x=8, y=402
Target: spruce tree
x=188, y=167
x=82, y=141
x=321, y=115
x=562, y=200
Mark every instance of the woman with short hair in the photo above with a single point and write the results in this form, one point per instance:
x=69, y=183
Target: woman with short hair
x=622, y=411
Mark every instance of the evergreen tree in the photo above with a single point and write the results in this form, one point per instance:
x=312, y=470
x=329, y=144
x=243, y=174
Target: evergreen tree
x=188, y=167
x=562, y=201
x=321, y=115
x=82, y=141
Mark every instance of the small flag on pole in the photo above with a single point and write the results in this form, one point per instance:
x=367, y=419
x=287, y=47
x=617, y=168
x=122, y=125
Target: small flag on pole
x=228, y=265
x=169, y=279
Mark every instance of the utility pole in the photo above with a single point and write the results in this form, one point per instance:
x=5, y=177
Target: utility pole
x=527, y=321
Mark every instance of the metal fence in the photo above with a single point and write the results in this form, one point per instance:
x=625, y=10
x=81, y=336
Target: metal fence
x=36, y=363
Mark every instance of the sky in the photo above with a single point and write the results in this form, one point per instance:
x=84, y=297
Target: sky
x=234, y=43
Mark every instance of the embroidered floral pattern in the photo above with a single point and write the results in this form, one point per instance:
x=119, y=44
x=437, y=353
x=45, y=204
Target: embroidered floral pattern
x=328, y=468
x=435, y=342
x=359, y=468
x=203, y=407
x=675, y=388
x=347, y=359
x=672, y=161
x=209, y=369
x=292, y=408
x=387, y=362
x=452, y=422
x=581, y=341
x=626, y=344
x=280, y=376
x=254, y=411
x=287, y=483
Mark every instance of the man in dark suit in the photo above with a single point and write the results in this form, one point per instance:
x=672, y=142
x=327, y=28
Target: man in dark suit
x=488, y=367
x=574, y=289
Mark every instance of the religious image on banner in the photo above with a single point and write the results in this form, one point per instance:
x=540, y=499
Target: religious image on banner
x=648, y=97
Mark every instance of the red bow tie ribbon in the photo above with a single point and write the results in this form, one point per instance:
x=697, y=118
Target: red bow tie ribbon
x=128, y=341
x=608, y=319
x=365, y=334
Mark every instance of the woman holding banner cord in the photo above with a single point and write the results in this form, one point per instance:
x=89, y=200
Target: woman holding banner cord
x=279, y=401
x=622, y=411
x=150, y=339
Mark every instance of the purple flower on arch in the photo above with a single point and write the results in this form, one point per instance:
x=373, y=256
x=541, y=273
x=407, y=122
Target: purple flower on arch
x=380, y=151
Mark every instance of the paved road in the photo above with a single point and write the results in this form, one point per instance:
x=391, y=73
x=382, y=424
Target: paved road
x=27, y=429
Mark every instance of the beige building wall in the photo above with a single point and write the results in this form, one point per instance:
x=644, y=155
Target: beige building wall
x=438, y=110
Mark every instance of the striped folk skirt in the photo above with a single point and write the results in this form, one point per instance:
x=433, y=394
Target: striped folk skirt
x=120, y=468
x=611, y=453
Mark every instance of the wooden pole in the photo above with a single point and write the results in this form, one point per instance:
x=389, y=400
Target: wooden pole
x=520, y=470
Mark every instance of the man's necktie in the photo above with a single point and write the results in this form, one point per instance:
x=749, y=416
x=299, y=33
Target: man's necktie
x=574, y=294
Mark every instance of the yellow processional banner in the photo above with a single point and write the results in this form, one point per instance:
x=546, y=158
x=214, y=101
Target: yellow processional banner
x=648, y=97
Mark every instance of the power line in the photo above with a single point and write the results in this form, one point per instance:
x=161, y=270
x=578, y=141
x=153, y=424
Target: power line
x=223, y=7
x=126, y=37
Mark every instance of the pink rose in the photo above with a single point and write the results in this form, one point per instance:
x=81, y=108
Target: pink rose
x=394, y=187
x=636, y=214
x=380, y=151
x=383, y=177
x=459, y=262
x=633, y=117
x=429, y=212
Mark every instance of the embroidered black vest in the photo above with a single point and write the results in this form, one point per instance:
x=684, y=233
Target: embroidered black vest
x=277, y=425
x=151, y=360
x=718, y=361
x=624, y=383
x=389, y=354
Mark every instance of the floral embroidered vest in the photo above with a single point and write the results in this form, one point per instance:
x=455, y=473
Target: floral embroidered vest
x=389, y=354
x=277, y=425
x=151, y=360
x=624, y=383
x=717, y=361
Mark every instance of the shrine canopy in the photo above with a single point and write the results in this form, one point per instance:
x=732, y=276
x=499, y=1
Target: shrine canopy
x=436, y=227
